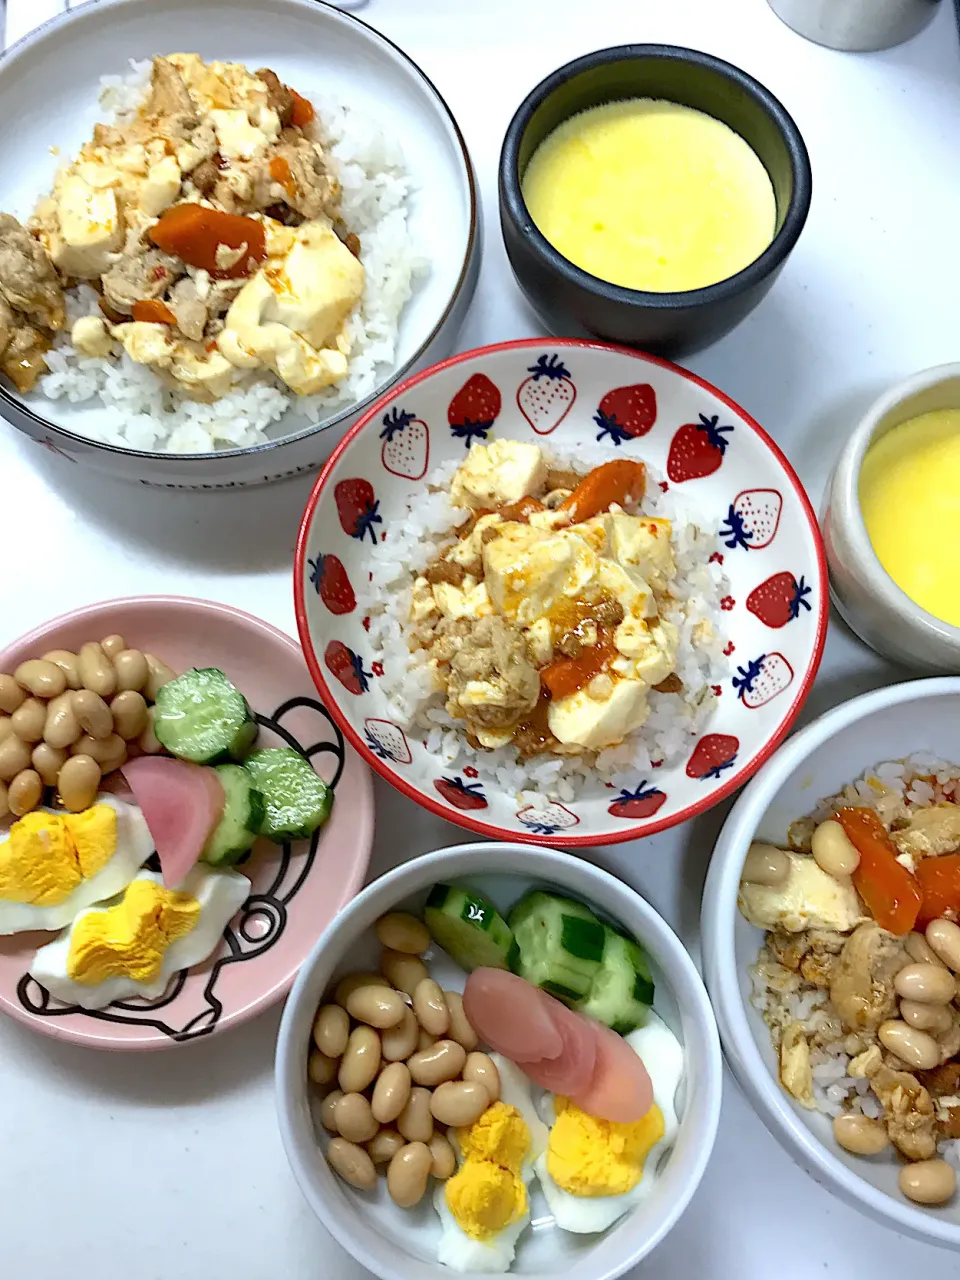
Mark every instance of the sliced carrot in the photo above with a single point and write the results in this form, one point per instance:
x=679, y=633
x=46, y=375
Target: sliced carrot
x=521, y=510
x=153, y=311
x=193, y=233
x=303, y=112
x=612, y=482
x=565, y=676
x=889, y=890
x=939, y=880
x=281, y=174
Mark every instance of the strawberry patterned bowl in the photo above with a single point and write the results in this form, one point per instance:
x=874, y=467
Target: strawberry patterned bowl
x=749, y=599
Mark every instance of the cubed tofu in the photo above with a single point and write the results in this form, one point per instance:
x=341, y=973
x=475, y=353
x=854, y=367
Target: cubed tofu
x=422, y=603
x=205, y=378
x=593, y=724
x=796, y=1074
x=146, y=343
x=808, y=899
x=655, y=659
x=89, y=230
x=238, y=139
x=470, y=548
x=467, y=601
x=91, y=336
x=641, y=545
x=161, y=188
x=497, y=473
x=527, y=570
x=540, y=641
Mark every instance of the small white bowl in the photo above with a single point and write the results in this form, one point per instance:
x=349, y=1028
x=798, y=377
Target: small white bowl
x=869, y=600
x=399, y=1244
x=918, y=716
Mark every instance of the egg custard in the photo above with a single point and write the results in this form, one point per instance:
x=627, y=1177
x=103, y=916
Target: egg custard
x=651, y=195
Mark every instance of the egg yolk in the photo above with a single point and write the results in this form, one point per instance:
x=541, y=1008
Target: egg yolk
x=130, y=939
x=591, y=1157
x=487, y=1193
x=48, y=855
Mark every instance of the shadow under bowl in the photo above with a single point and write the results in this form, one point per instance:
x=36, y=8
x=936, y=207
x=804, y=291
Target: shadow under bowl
x=571, y=301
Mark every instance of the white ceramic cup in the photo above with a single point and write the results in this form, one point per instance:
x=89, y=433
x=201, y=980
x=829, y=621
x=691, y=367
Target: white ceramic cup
x=865, y=594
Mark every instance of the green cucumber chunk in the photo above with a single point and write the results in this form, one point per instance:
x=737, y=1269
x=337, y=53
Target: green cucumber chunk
x=469, y=928
x=297, y=801
x=621, y=994
x=560, y=944
x=203, y=717
x=239, y=826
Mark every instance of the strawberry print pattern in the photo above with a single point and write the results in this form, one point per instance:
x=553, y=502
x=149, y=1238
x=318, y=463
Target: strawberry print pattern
x=347, y=667
x=547, y=395
x=779, y=600
x=697, y=449
x=626, y=413
x=357, y=508
x=405, y=451
x=753, y=519
x=329, y=579
x=547, y=820
x=460, y=794
x=712, y=756
x=474, y=409
x=643, y=802
x=762, y=679
x=387, y=741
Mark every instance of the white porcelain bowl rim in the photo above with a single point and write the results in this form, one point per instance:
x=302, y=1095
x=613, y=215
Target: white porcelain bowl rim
x=502, y=858
x=718, y=918
x=846, y=489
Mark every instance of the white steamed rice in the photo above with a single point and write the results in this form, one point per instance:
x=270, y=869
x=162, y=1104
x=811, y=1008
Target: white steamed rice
x=140, y=412
x=675, y=719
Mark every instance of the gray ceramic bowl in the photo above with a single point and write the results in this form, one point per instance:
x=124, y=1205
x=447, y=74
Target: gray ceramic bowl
x=309, y=44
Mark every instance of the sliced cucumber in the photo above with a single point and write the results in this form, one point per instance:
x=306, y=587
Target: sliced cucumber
x=296, y=799
x=469, y=928
x=621, y=994
x=239, y=826
x=202, y=716
x=560, y=944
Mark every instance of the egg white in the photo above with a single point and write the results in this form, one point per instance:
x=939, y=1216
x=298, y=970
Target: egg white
x=456, y=1249
x=585, y=1215
x=134, y=847
x=220, y=893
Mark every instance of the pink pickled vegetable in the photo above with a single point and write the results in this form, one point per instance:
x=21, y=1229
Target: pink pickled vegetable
x=509, y=1015
x=572, y=1072
x=181, y=803
x=620, y=1089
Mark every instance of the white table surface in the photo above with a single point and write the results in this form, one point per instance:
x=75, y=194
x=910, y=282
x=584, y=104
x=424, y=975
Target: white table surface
x=149, y=1167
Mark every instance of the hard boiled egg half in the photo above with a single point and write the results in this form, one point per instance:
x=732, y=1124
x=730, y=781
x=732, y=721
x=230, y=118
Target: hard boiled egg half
x=133, y=944
x=594, y=1171
x=484, y=1207
x=54, y=864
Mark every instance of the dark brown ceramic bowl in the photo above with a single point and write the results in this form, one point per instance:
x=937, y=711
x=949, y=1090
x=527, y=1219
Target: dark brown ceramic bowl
x=572, y=302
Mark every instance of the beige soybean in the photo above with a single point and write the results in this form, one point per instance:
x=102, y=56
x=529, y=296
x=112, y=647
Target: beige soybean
x=352, y=982
x=14, y=757
x=129, y=711
x=93, y=714
x=377, y=1006
x=331, y=1030
x=919, y=950
x=148, y=741
x=68, y=663
x=424, y=1039
x=352, y=1163
x=443, y=1061
x=860, y=1135
x=320, y=1068
x=158, y=674
x=42, y=679
x=934, y=1018
x=480, y=1068
x=407, y=1174
x=112, y=645
x=430, y=1006
x=48, y=761
x=6, y=727
x=400, y=1041
x=459, y=1102
x=415, y=1121
x=4, y=802
x=355, y=1119
x=328, y=1109
x=11, y=695
x=385, y=1146
x=110, y=753
x=460, y=1028
x=443, y=1159
x=943, y=936
x=361, y=1060
x=96, y=670
x=917, y=1049
x=24, y=792
x=402, y=971
x=131, y=668
x=61, y=728
x=29, y=720
x=765, y=864
x=391, y=1093
x=78, y=783
x=928, y=1181
x=400, y=931
x=927, y=983
x=833, y=850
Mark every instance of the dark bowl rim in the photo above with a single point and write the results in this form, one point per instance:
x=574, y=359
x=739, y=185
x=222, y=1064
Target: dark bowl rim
x=512, y=203
x=11, y=404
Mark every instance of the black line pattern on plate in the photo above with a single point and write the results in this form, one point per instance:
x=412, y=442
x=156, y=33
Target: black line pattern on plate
x=258, y=926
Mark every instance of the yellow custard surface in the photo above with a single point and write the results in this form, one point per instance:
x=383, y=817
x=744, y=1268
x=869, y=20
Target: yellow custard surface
x=651, y=195
x=910, y=500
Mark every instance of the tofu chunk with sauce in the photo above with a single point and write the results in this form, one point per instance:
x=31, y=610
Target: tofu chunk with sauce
x=528, y=570
x=641, y=545
x=498, y=473
x=89, y=228
x=597, y=723
x=808, y=899
x=161, y=187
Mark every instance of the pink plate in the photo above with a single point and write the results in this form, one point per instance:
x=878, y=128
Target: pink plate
x=297, y=890
x=767, y=570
